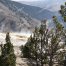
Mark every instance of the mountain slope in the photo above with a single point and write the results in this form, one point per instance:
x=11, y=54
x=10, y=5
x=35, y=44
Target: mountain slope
x=35, y=12
x=14, y=21
x=53, y=5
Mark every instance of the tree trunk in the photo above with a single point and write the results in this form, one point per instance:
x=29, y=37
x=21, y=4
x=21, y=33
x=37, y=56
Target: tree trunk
x=36, y=63
x=41, y=63
x=41, y=51
x=51, y=62
x=36, y=60
x=36, y=53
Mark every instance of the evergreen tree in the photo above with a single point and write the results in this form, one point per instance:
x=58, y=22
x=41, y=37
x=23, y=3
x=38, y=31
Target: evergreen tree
x=8, y=57
x=35, y=45
x=43, y=42
x=30, y=50
x=56, y=45
x=44, y=46
x=26, y=49
x=63, y=12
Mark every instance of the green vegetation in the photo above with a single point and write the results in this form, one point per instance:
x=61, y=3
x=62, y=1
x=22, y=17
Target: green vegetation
x=44, y=46
x=63, y=12
x=47, y=47
x=7, y=57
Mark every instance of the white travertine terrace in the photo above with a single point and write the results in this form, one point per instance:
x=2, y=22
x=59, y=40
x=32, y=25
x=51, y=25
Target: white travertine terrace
x=17, y=39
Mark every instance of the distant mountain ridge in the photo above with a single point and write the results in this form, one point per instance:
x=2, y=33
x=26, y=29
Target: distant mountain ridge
x=33, y=11
x=12, y=20
x=17, y=17
x=52, y=5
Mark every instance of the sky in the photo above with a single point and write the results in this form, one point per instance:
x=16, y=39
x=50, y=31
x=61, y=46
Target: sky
x=38, y=0
x=27, y=0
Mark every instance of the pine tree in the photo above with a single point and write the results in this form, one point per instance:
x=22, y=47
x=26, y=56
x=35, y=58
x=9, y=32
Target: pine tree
x=45, y=46
x=63, y=12
x=31, y=47
x=55, y=46
x=43, y=42
x=36, y=45
x=8, y=57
